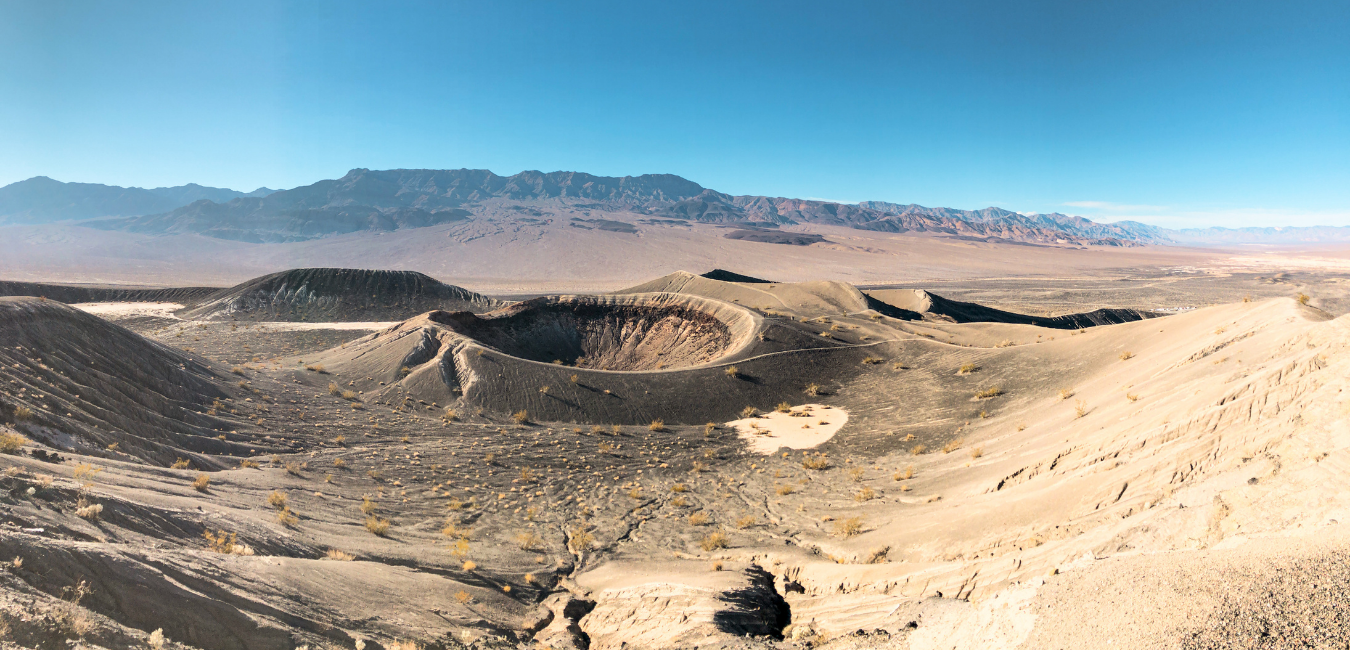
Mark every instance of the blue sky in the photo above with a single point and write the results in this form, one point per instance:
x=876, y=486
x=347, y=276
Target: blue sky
x=1173, y=113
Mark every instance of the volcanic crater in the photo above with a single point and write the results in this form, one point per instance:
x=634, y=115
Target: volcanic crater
x=640, y=332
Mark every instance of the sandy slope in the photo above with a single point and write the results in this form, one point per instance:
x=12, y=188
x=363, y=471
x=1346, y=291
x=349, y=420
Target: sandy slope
x=1171, y=483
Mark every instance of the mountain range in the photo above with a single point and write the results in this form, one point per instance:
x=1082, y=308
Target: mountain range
x=387, y=200
x=43, y=200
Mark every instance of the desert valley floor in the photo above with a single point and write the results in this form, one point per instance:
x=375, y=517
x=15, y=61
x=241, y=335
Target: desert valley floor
x=330, y=458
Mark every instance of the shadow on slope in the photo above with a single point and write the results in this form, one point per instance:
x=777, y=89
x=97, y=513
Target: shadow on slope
x=76, y=382
x=909, y=303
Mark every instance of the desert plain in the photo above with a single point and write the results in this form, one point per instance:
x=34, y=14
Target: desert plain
x=869, y=441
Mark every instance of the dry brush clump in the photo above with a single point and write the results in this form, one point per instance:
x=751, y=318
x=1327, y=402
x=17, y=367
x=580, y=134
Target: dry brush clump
x=11, y=443
x=817, y=461
x=529, y=541
x=967, y=369
x=1126, y=356
x=226, y=543
x=992, y=391
x=201, y=482
x=848, y=527
x=580, y=539
x=713, y=541
x=378, y=526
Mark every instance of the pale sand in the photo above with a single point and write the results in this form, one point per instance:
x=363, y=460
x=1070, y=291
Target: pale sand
x=123, y=309
x=117, y=310
x=772, y=431
x=281, y=326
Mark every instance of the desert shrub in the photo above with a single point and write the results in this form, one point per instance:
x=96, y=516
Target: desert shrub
x=181, y=463
x=951, y=446
x=222, y=542
x=679, y=502
x=708, y=429
x=377, y=526
x=1065, y=393
x=276, y=499
x=11, y=443
x=1080, y=408
x=865, y=494
x=698, y=466
x=521, y=417
x=812, y=389
x=340, y=556
x=199, y=484
x=784, y=489
x=334, y=389
x=746, y=521
x=905, y=474
x=367, y=506
x=528, y=541
x=976, y=452
x=286, y=517
x=992, y=391
x=732, y=371
x=917, y=449
x=90, y=512
x=449, y=415
x=698, y=519
x=1005, y=343
x=749, y=412
x=856, y=473
x=1303, y=298
x=1133, y=397
x=339, y=463
x=293, y=469
x=816, y=461
x=657, y=425
x=878, y=555
x=237, y=370
x=713, y=541
x=22, y=414
x=966, y=369
x=580, y=539
x=848, y=527
x=460, y=548
x=318, y=367
x=679, y=487
x=783, y=407
x=1126, y=356
x=871, y=361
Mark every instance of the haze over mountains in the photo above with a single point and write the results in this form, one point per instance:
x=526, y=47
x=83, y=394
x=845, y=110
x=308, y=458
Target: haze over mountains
x=389, y=200
x=43, y=200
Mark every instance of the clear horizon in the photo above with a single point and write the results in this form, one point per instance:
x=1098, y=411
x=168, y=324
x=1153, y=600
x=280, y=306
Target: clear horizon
x=1175, y=115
